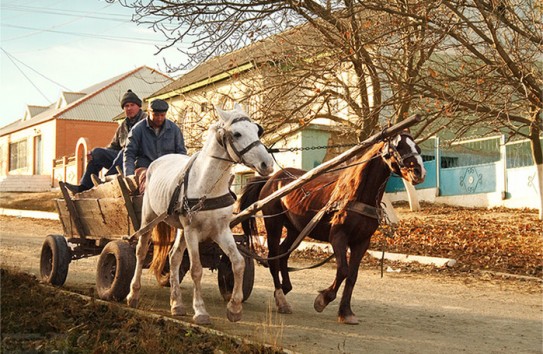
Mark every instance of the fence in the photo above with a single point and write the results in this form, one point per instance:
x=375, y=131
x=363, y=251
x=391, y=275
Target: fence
x=483, y=172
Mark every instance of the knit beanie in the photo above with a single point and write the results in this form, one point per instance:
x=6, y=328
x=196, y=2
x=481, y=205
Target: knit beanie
x=130, y=96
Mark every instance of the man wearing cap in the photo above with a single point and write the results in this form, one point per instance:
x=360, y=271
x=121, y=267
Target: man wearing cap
x=112, y=156
x=152, y=138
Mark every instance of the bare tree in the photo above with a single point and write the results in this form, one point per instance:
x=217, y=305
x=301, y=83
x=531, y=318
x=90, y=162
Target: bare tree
x=488, y=73
x=325, y=59
x=469, y=64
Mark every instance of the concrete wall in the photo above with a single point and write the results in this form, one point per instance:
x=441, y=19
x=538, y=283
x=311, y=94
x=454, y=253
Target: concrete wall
x=521, y=193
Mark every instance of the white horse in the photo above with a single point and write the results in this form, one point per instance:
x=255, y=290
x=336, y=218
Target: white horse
x=204, y=206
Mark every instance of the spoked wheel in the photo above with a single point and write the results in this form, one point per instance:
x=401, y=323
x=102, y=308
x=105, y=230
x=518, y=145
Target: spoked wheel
x=226, y=277
x=116, y=267
x=54, y=260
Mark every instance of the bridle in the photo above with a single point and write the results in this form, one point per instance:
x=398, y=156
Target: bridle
x=390, y=150
x=190, y=206
x=225, y=138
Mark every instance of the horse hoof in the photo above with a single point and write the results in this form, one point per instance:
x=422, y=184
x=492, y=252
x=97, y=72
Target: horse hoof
x=132, y=302
x=350, y=320
x=233, y=317
x=286, y=309
x=202, y=319
x=281, y=302
x=319, y=303
x=179, y=311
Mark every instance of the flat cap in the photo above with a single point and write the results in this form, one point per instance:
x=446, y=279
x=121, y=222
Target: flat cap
x=159, y=106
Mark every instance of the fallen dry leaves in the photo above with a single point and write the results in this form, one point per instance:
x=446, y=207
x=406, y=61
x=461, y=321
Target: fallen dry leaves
x=498, y=239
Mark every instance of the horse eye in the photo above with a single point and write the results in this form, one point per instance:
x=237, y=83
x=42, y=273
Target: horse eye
x=237, y=135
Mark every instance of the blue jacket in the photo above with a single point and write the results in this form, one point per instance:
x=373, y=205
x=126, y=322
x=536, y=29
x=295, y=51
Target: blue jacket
x=144, y=146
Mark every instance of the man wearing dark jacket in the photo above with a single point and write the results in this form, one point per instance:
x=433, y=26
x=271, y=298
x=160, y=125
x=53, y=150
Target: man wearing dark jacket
x=112, y=156
x=150, y=139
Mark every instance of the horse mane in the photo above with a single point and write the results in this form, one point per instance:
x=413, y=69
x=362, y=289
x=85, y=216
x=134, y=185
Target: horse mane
x=348, y=182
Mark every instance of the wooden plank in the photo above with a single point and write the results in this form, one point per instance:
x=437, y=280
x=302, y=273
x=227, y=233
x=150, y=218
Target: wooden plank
x=135, y=218
x=137, y=202
x=105, y=217
x=149, y=226
x=319, y=170
x=109, y=189
x=72, y=209
x=64, y=217
x=132, y=184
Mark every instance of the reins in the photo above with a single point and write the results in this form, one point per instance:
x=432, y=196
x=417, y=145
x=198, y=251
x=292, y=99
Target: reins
x=360, y=208
x=367, y=211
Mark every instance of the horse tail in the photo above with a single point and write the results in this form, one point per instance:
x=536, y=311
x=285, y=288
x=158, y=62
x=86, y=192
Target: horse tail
x=163, y=237
x=250, y=194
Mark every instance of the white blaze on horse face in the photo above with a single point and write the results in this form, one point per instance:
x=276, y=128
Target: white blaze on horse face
x=417, y=156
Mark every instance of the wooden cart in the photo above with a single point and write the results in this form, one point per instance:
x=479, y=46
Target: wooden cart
x=104, y=221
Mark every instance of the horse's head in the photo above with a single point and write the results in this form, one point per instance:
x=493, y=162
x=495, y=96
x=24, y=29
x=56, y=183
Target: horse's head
x=240, y=138
x=402, y=154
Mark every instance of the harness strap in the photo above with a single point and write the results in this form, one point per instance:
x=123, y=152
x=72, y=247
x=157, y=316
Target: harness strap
x=210, y=203
x=173, y=206
x=306, y=230
x=365, y=209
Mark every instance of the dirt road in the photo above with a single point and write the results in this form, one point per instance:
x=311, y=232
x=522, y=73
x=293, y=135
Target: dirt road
x=400, y=312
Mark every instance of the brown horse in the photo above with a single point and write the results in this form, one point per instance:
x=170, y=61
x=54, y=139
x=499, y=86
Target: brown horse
x=351, y=199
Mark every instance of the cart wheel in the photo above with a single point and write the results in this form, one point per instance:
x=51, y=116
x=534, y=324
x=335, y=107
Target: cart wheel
x=115, y=270
x=226, y=277
x=54, y=260
x=164, y=278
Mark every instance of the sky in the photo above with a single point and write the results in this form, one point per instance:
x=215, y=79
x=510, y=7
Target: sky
x=51, y=46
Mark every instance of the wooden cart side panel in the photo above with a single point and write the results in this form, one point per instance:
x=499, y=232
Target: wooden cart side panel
x=64, y=216
x=100, y=218
x=105, y=217
x=105, y=190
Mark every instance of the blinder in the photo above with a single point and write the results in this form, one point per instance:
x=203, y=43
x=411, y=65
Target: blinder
x=260, y=130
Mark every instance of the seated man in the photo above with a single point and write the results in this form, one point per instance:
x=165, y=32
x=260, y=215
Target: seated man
x=112, y=156
x=151, y=138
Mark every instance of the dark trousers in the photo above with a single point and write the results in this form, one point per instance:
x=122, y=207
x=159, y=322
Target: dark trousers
x=101, y=158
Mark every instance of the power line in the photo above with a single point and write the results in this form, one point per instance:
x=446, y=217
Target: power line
x=89, y=35
x=63, y=12
x=34, y=70
x=22, y=72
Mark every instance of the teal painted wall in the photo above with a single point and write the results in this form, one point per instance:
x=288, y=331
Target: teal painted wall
x=313, y=138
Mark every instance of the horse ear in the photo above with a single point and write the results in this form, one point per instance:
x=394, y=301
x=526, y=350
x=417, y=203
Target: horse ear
x=385, y=150
x=238, y=107
x=220, y=113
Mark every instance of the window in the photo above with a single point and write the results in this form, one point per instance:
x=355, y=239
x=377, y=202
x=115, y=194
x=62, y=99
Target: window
x=17, y=155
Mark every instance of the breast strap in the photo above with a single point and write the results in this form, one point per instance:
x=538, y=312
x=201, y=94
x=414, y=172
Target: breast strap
x=191, y=205
x=196, y=204
x=364, y=209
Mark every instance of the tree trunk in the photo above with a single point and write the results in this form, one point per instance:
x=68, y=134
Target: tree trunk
x=537, y=153
x=389, y=209
x=539, y=175
x=412, y=197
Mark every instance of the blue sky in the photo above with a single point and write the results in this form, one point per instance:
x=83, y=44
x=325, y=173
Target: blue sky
x=50, y=46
